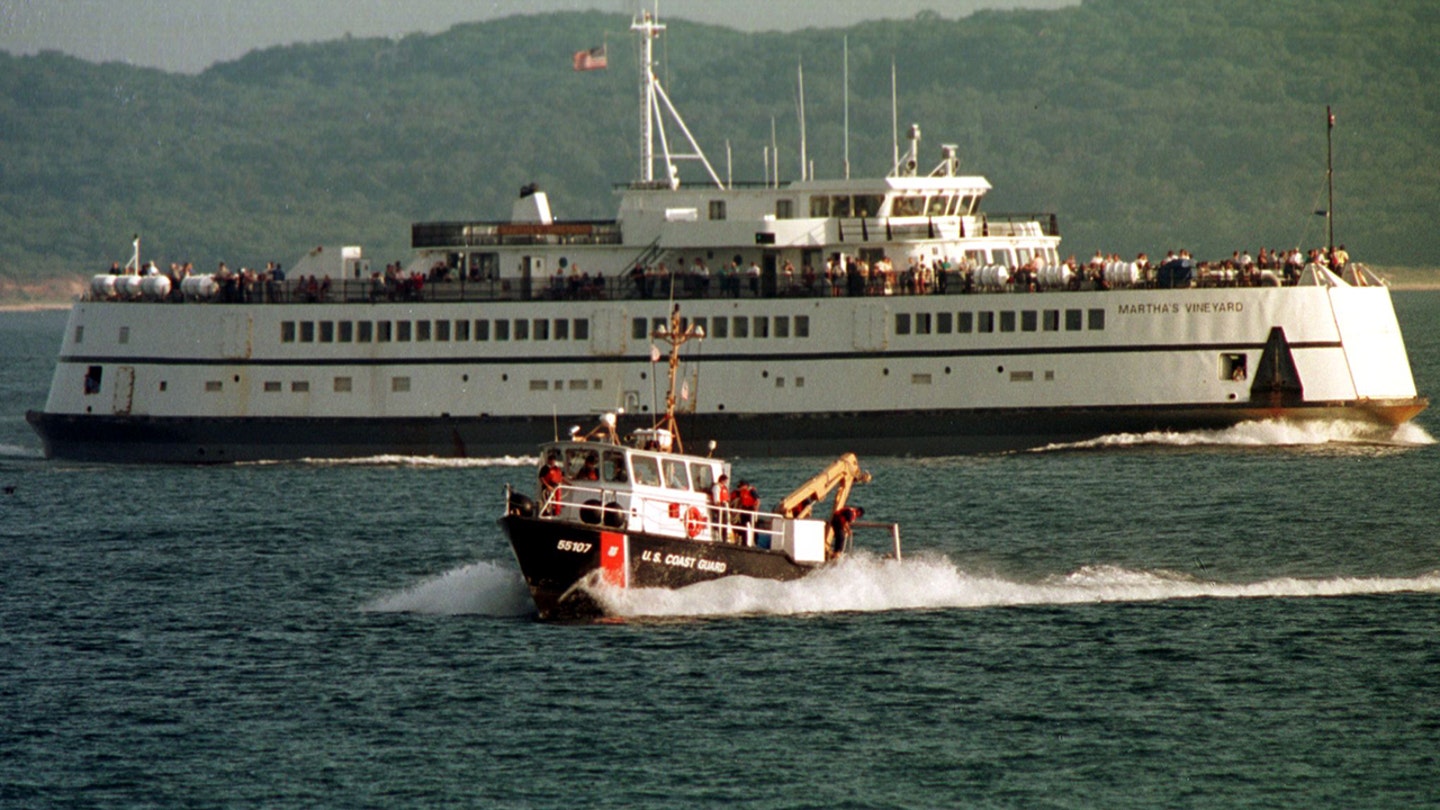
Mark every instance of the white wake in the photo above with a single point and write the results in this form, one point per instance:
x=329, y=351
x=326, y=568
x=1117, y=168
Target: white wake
x=480, y=588
x=866, y=583
x=1267, y=433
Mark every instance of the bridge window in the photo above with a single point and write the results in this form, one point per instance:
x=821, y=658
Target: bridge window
x=482, y=329
x=365, y=332
x=1074, y=320
x=384, y=331
x=902, y=323
x=404, y=330
x=307, y=331
x=1029, y=320
x=987, y=322
x=1095, y=319
x=944, y=323
x=582, y=328
x=327, y=331
x=287, y=331
x=1007, y=321
x=802, y=326
x=1052, y=320
x=717, y=209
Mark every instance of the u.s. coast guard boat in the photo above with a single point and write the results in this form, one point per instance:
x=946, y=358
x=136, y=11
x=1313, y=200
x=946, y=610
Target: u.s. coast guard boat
x=640, y=512
x=882, y=315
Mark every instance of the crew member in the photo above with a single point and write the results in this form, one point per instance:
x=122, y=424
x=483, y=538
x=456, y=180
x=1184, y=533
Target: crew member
x=840, y=525
x=589, y=470
x=720, y=506
x=551, y=477
x=747, y=502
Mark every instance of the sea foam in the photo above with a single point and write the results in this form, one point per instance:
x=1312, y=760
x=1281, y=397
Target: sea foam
x=864, y=583
x=1266, y=433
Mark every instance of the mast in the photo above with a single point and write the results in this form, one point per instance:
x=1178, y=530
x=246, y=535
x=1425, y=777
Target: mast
x=846, y=74
x=654, y=105
x=649, y=30
x=676, y=337
x=1329, y=183
x=800, y=69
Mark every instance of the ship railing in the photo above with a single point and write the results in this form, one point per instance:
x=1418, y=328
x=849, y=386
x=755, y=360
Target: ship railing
x=615, y=506
x=456, y=288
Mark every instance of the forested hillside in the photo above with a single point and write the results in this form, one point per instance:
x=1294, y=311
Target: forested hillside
x=1145, y=124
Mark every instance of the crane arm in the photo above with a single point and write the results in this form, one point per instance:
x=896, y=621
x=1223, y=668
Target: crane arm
x=843, y=473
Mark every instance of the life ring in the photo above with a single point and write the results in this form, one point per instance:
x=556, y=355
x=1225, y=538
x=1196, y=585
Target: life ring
x=694, y=523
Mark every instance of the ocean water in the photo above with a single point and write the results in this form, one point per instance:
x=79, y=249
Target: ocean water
x=1246, y=618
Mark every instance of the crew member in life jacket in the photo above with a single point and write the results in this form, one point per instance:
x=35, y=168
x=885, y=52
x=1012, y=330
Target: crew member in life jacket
x=840, y=524
x=720, y=507
x=746, y=502
x=551, y=477
x=590, y=469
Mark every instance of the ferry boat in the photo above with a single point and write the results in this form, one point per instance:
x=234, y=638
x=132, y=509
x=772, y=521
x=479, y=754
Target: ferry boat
x=891, y=315
x=642, y=513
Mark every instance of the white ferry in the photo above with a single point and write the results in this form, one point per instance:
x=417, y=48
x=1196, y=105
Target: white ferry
x=890, y=315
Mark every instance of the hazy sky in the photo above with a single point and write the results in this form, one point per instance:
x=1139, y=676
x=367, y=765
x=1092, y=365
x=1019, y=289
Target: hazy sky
x=190, y=35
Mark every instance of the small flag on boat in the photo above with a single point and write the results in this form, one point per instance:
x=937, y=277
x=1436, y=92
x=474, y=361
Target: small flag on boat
x=593, y=59
x=654, y=353
x=685, y=391
x=1331, y=116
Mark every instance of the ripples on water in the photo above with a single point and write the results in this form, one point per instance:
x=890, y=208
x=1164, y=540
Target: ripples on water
x=1217, y=618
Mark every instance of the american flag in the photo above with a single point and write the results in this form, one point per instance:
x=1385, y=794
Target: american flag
x=593, y=59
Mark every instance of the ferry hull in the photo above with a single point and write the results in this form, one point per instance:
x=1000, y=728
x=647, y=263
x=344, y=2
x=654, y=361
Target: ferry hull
x=560, y=559
x=204, y=440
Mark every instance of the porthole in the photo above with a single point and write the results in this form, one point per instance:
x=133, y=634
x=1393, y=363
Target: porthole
x=999, y=369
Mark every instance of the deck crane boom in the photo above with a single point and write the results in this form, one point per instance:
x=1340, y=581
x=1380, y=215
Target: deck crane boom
x=844, y=473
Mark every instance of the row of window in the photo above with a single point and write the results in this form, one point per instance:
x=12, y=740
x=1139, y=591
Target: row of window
x=1025, y=320
x=737, y=326
x=439, y=331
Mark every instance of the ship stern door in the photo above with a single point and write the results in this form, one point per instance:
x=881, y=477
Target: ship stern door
x=124, y=390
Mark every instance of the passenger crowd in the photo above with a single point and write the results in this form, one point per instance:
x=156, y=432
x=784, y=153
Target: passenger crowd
x=847, y=275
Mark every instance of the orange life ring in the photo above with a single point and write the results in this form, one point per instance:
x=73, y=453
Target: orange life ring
x=694, y=523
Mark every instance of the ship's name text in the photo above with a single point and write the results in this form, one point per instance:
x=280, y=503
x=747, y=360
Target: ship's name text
x=1173, y=308
x=683, y=561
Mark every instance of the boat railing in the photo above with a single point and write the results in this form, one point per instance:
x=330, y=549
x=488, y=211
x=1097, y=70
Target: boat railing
x=620, y=507
x=458, y=288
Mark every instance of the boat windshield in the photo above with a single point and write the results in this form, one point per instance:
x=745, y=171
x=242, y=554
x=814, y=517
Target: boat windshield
x=646, y=470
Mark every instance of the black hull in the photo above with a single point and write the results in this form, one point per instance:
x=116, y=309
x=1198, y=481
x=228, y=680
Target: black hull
x=205, y=440
x=558, y=559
